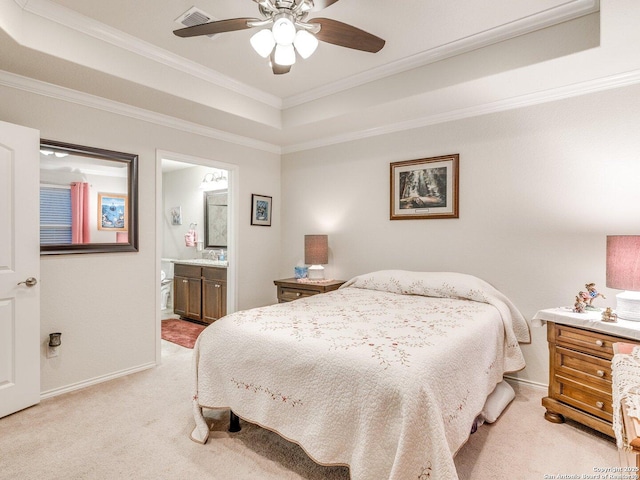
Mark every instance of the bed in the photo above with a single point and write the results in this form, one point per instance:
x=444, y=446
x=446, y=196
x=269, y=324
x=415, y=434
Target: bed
x=386, y=374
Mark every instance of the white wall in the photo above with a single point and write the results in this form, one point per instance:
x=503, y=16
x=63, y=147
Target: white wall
x=105, y=304
x=540, y=188
x=180, y=189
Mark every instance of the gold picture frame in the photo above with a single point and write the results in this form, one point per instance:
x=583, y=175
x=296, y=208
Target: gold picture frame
x=425, y=188
x=113, y=212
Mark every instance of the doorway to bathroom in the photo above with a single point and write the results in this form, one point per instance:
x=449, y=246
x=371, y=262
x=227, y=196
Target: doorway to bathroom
x=196, y=237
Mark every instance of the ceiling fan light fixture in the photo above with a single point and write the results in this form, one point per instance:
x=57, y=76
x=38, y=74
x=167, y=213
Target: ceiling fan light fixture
x=284, y=30
x=285, y=55
x=305, y=43
x=263, y=42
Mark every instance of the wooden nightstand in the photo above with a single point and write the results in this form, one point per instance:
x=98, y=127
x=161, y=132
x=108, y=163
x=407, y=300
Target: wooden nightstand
x=580, y=353
x=290, y=289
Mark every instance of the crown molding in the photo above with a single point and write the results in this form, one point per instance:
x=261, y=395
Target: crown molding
x=19, y=82
x=568, y=11
x=69, y=18
x=57, y=92
x=88, y=26
x=551, y=95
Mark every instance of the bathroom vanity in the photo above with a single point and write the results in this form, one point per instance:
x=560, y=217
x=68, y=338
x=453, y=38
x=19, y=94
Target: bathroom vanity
x=200, y=289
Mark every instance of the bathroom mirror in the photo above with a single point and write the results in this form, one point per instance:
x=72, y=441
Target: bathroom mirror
x=215, y=216
x=88, y=199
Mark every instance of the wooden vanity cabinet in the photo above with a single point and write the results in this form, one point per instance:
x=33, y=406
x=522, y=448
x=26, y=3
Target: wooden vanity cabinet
x=214, y=294
x=200, y=293
x=187, y=291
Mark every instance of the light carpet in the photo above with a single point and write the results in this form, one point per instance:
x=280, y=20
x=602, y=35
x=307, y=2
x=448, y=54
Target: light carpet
x=137, y=427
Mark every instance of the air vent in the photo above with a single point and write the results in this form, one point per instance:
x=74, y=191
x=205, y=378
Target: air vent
x=195, y=16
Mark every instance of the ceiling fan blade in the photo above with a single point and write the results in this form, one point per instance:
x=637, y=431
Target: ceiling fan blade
x=219, y=26
x=321, y=4
x=278, y=69
x=348, y=36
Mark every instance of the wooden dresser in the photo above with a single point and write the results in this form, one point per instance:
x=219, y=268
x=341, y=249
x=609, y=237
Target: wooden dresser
x=580, y=353
x=290, y=289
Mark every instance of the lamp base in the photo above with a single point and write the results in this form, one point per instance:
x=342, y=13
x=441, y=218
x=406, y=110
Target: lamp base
x=315, y=272
x=628, y=306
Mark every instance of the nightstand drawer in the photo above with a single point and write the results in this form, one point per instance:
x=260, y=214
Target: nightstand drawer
x=586, y=341
x=585, y=398
x=291, y=289
x=587, y=368
x=287, y=294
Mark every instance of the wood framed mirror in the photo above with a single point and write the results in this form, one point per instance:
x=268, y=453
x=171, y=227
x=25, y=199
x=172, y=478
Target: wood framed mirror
x=88, y=199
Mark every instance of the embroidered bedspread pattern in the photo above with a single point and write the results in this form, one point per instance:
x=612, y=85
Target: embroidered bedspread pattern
x=388, y=384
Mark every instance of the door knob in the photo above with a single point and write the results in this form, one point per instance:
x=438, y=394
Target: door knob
x=29, y=282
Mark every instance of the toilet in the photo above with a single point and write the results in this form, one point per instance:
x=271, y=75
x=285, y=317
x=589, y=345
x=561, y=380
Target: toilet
x=166, y=284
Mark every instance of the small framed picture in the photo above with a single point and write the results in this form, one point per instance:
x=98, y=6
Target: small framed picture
x=260, y=210
x=113, y=212
x=425, y=188
x=176, y=216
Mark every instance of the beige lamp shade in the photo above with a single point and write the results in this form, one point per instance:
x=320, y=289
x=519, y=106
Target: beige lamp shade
x=623, y=262
x=316, y=249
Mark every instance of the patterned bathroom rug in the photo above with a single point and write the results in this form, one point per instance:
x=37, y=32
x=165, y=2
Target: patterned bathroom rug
x=181, y=332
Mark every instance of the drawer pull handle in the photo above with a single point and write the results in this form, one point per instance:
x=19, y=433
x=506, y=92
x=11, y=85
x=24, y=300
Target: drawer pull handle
x=185, y=281
x=600, y=373
x=599, y=343
x=600, y=404
x=298, y=294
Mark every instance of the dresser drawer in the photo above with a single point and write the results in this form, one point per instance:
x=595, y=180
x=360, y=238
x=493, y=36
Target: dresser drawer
x=586, y=341
x=589, y=369
x=287, y=294
x=580, y=386
x=584, y=397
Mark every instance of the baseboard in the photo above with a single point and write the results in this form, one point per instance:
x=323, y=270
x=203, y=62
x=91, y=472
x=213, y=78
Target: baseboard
x=94, y=381
x=523, y=381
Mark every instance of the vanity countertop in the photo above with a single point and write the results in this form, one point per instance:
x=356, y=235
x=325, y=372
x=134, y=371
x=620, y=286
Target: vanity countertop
x=204, y=262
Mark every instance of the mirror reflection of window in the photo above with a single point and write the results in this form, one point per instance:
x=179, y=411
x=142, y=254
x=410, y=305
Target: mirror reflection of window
x=77, y=185
x=55, y=214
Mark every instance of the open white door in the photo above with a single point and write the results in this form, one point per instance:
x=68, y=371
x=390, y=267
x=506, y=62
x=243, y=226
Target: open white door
x=19, y=261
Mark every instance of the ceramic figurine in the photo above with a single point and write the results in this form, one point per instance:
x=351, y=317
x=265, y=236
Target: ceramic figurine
x=593, y=294
x=609, y=316
x=580, y=304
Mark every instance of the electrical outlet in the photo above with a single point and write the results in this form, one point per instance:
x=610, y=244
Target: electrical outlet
x=52, y=352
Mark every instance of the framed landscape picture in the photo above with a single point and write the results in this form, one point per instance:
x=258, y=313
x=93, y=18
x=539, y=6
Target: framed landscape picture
x=425, y=188
x=260, y=210
x=112, y=212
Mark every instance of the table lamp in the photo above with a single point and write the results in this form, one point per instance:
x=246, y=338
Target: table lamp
x=316, y=253
x=623, y=273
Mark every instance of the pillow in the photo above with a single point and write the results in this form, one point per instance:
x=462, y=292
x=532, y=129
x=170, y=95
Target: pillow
x=497, y=401
x=446, y=285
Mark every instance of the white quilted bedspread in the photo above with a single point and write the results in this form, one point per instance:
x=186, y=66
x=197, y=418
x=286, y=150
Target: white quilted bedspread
x=386, y=374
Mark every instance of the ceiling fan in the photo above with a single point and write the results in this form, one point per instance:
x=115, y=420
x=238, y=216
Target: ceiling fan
x=285, y=31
